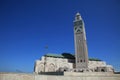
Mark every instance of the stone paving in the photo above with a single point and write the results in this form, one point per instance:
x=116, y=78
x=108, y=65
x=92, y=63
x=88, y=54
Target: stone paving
x=67, y=76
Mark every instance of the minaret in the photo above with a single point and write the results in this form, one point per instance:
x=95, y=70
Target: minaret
x=81, y=53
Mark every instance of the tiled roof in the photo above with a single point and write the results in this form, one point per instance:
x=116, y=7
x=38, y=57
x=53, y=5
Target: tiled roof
x=94, y=59
x=54, y=55
x=68, y=56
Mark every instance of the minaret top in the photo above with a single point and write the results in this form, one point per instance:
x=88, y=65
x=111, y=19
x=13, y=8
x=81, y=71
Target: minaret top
x=78, y=17
x=77, y=14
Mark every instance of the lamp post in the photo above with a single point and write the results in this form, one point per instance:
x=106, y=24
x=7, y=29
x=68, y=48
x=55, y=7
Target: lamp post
x=44, y=62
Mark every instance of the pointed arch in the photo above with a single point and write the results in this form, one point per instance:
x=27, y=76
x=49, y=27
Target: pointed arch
x=40, y=67
x=51, y=68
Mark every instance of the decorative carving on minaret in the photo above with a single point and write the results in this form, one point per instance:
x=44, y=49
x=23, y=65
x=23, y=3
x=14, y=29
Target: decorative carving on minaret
x=81, y=52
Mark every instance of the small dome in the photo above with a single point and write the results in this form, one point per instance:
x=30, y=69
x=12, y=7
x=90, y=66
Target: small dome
x=77, y=13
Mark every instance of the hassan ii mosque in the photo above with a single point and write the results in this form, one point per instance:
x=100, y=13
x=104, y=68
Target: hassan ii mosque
x=78, y=62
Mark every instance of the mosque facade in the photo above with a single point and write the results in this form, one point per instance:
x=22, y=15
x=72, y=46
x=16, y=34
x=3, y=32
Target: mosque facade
x=69, y=62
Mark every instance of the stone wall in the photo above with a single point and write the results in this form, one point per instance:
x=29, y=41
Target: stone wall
x=67, y=76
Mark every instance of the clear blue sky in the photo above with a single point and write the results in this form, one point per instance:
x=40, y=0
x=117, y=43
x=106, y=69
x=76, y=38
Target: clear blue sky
x=27, y=26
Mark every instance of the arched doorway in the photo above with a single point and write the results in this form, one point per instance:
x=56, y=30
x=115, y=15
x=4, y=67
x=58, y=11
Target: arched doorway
x=102, y=70
x=65, y=68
